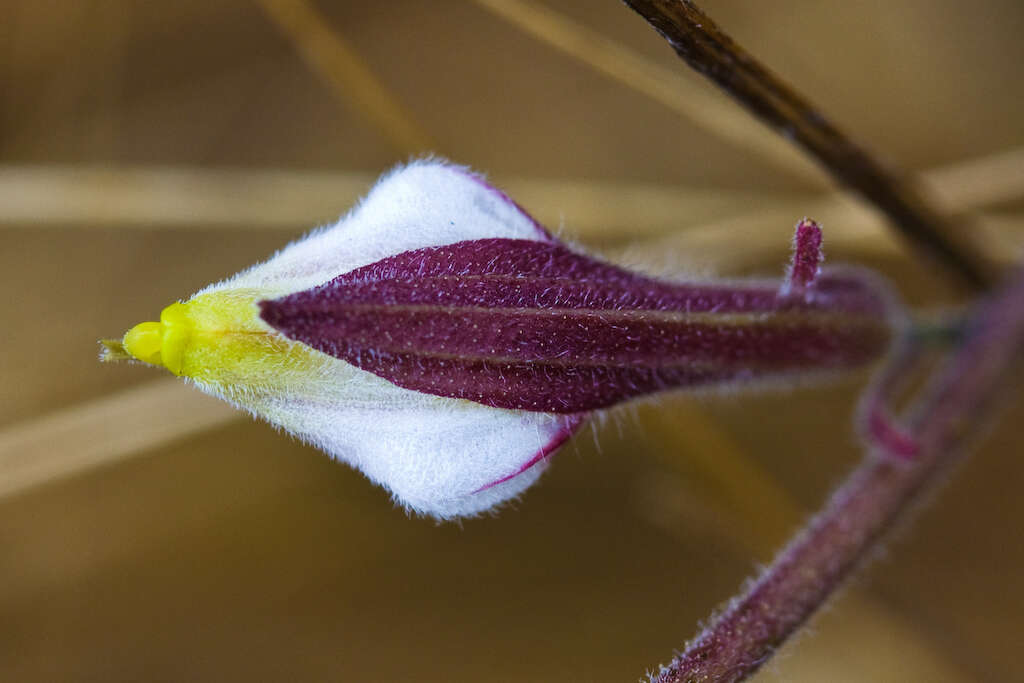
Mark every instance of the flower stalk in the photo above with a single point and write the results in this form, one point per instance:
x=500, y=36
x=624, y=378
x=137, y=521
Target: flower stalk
x=871, y=501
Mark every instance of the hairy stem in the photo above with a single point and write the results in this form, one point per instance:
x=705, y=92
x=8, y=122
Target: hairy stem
x=874, y=497
x=702, y=45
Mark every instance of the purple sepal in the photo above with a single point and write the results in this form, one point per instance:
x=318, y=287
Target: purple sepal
x=532, y=325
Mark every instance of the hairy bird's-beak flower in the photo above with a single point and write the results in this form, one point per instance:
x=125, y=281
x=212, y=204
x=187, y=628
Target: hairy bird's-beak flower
x=443, y=342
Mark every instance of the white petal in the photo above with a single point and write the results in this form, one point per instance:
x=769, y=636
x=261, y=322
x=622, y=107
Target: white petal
x=437, y=456
x=425, y=204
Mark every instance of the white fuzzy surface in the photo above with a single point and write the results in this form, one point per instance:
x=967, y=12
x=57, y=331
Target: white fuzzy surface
x=424, y=204
x=432, y=453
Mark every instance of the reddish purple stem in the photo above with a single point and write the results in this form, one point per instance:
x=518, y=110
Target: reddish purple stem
x=883, y=431
x=879, y=492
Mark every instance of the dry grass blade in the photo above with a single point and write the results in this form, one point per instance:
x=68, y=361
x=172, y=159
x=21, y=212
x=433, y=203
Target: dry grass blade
x=184, y=198
x=192, y=197
x=680, y=92
x=329, y=55
x=967, y=186
x=986, y=181
x=103, y=431
x=153, y=196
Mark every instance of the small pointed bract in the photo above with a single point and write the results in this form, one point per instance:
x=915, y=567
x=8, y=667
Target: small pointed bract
x=807, y=258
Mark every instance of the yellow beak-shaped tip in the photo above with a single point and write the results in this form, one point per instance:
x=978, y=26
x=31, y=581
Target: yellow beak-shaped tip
x=163, y=343
x=144, y=341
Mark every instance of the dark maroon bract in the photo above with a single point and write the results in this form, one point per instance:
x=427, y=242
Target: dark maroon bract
x=532, y=325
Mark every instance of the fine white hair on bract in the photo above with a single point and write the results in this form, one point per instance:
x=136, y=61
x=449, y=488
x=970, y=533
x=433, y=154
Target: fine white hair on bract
x=438, y=456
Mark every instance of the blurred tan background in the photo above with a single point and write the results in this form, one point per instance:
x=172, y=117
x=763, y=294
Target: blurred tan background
x=146, y=149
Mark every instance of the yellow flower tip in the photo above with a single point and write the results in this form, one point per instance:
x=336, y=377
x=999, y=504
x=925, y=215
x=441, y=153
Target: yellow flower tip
x=176, y=325
x=161, y=343
x=143, y=342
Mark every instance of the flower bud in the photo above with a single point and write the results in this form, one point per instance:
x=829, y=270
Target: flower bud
x=444, y=343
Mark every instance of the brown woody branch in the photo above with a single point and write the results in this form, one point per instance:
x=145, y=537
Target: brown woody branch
x=702, y=45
